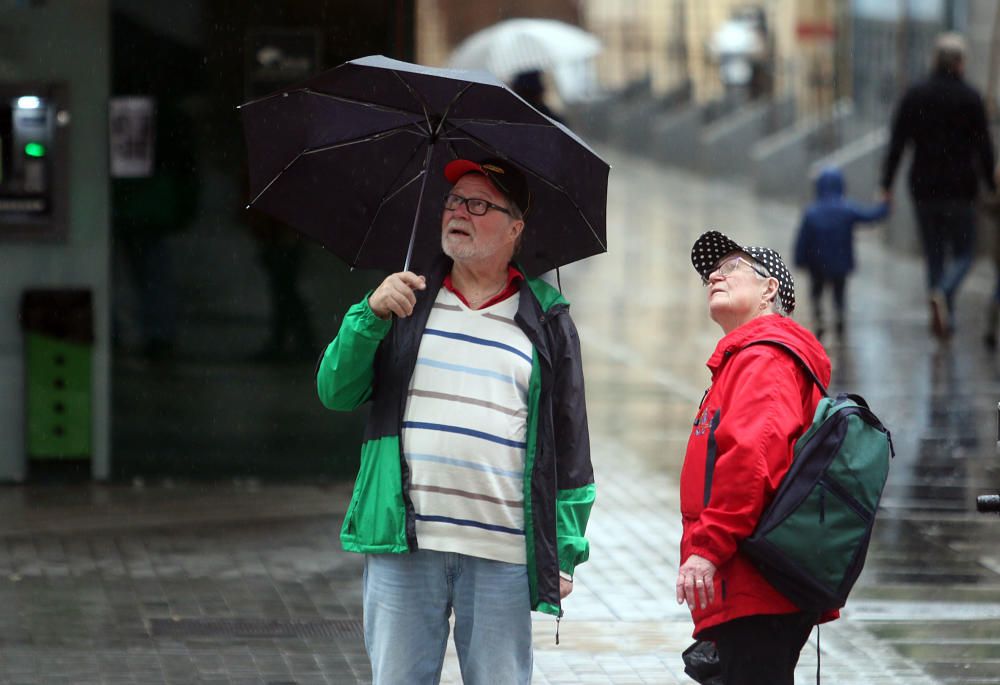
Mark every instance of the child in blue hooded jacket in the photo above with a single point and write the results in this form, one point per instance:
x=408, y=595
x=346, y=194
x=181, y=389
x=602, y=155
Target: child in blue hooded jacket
x=825, y=243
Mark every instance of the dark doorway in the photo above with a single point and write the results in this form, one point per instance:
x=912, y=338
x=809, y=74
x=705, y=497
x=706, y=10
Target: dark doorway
x=220, y=314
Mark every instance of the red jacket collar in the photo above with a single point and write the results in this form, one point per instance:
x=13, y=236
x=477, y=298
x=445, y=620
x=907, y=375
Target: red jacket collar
x=773, y=327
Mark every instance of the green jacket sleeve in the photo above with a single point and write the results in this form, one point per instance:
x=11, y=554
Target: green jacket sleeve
x=573, y=512
x=345, y=372
x=574, y=470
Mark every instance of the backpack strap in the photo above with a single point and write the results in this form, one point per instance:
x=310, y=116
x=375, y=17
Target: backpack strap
x=795, y=355
x=857, y=399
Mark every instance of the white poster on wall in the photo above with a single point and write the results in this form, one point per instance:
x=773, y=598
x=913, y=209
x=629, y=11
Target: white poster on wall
x=132, y=128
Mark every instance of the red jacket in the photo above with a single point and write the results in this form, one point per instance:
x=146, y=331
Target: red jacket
x=759, y=403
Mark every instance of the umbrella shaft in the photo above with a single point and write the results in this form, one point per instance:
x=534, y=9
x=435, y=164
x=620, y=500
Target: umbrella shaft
x=420, y=199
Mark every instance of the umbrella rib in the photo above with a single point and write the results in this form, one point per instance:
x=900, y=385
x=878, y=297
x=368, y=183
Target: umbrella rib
x=337, y=98
x=325, y=148
x=272, y=181
x=378, y=211
x=384, y=200
x=367, y=139
x=454, y=101
x=432, y=129
x=419, y=99
x=370, y=105
x=502, y=122
x=457, y=123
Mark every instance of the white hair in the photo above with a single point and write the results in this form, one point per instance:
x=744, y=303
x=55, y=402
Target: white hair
x=949, y=52
x=775, y=304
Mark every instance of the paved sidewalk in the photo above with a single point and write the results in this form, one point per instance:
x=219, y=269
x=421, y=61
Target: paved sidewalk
x=245, y=583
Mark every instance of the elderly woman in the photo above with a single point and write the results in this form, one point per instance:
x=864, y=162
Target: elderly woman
x=740, y=447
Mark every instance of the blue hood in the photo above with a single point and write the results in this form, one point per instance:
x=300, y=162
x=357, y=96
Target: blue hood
x=830, y=184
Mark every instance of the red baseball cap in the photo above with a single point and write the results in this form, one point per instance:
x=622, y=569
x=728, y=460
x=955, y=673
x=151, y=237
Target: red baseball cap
x=507, y=178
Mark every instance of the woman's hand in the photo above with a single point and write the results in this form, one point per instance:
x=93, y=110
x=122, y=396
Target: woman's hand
x=696, y=582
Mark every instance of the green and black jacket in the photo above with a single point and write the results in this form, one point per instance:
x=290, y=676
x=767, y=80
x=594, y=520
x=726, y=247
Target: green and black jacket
x=372, y=359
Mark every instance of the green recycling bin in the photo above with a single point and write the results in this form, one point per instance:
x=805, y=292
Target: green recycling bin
x=58, y=345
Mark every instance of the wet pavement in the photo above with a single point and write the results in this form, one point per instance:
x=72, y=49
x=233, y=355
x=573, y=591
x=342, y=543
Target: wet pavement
x=246, y=583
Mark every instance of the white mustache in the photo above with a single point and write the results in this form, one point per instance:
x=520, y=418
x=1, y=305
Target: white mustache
x=460, y=224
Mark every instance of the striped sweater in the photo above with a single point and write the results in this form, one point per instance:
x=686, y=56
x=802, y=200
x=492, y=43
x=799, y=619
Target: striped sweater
x=464, y=430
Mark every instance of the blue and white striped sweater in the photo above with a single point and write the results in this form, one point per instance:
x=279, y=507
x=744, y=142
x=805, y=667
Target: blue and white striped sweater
x=464, y=430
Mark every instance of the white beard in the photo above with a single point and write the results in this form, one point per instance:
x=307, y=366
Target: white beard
x=460, y=249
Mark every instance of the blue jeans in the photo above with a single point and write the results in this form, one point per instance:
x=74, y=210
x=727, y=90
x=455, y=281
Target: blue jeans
x=408, y=599
x=947, y=229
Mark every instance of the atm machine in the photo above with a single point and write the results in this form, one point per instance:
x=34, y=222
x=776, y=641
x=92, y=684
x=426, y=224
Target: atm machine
x=34, y=127
x=57, y=322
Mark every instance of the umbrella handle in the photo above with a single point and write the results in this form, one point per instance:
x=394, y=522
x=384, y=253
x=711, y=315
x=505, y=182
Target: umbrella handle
x=420, y=199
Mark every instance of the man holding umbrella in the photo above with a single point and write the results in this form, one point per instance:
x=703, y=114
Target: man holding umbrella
x=475, y=483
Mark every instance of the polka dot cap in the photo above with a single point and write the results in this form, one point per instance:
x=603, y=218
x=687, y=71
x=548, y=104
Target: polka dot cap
x=713, y=246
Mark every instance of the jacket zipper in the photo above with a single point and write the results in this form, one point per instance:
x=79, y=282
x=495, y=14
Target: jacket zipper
x=409, y=519
x=540, y=328
x=710, y=456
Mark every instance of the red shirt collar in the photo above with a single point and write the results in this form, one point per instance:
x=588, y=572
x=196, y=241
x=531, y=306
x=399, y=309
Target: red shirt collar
x=514, y=277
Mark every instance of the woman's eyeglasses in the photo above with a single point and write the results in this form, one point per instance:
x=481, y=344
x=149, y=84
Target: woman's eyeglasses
x=729, y=266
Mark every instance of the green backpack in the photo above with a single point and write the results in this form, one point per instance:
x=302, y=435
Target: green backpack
x=811, y=542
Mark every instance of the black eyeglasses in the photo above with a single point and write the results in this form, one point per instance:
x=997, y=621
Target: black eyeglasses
x=475, y=205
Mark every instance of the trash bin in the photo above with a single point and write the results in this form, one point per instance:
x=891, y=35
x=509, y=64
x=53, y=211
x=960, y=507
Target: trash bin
x=58, y=344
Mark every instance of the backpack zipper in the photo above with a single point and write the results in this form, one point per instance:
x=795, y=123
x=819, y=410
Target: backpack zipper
x=841, y=493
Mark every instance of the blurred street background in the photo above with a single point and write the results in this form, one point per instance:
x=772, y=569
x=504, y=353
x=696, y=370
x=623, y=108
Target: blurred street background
x=171, y=512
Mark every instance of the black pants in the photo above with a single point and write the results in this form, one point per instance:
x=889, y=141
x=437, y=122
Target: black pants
x=839, y=287
x=289, y=313
x=761, y=650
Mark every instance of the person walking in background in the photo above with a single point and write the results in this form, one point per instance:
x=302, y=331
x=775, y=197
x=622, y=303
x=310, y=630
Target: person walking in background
x=993, y=306
x=282, y=252
x=148, y=211
x=825, y=244
x=530, y=86
x=739, y=449
x=944, y=120
x=476, y=483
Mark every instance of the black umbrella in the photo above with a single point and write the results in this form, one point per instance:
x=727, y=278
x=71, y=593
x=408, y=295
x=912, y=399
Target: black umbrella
x=354, y=158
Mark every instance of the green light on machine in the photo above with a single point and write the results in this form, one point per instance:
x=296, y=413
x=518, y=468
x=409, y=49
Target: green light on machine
x=34, y=150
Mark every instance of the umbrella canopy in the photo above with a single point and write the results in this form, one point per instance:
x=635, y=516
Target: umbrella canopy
x=515, y=45
x=354, y=158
